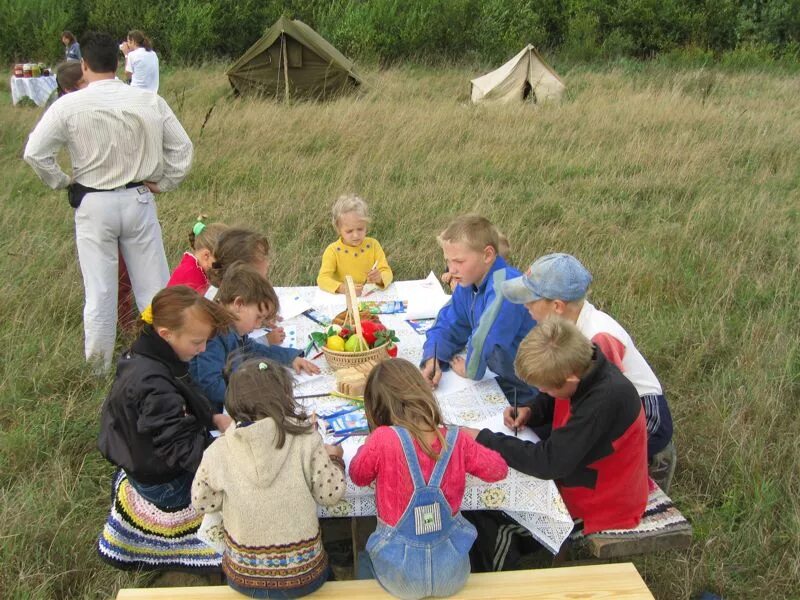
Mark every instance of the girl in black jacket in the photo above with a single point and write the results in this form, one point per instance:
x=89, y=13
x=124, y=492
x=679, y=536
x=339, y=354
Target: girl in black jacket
x=155, y=422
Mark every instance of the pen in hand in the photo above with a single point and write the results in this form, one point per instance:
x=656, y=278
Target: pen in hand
x=516, y=414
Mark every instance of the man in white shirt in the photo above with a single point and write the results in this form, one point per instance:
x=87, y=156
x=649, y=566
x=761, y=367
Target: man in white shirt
x=125, y=144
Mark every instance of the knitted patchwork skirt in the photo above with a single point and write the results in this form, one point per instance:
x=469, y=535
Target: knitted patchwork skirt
x=139, y=535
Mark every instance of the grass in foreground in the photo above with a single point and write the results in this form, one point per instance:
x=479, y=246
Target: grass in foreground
x=678, y=190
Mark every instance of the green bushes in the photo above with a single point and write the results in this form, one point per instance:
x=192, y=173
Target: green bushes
x=389, y=31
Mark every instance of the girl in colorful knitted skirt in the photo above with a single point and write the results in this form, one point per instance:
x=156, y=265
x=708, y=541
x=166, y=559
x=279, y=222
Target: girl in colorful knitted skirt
x=195, y=265
x=267, y=476
x=155, y=422
x=421, y=546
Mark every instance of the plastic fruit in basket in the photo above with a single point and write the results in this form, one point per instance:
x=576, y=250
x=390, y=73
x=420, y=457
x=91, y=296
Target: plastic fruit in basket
x=356, y=343
x=369, y=329
x=336, y=343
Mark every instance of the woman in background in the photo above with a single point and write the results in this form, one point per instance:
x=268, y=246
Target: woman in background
x=141, y=61
x=73, y=49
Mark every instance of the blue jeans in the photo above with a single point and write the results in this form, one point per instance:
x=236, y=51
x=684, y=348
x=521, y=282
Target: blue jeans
x=427, y=552
x=292, y=593
x=172, y=495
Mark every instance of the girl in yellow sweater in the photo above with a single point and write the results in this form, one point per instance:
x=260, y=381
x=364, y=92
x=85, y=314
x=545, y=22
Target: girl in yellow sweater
x=353, y=253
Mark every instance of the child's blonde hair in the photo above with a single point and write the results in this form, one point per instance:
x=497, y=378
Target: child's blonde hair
x=553, y=351
x=349, y=203
x=474, y=231
x=397, y=394
x=503, y=245
x=260, y=389
x=206, y=236
x=237, y=245
x=245, y=282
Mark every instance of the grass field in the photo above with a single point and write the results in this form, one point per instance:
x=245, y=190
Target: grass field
x=677, y=188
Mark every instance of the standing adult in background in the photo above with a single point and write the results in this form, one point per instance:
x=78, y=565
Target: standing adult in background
x=73, y=48
x=69, y=78
x=125, y=144
x=141, y=61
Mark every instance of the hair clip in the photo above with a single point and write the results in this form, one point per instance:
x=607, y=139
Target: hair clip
x=262, y=366
x=147, y=315
x=198, y=228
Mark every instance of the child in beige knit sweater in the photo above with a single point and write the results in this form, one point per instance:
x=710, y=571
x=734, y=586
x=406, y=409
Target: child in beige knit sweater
x=267, y=476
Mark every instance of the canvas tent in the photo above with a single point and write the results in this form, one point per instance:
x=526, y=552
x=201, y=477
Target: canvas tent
x=292, y=59
x=527, y=74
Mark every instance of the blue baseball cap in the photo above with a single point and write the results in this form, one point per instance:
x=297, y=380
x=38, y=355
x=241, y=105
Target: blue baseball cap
x=554, y=277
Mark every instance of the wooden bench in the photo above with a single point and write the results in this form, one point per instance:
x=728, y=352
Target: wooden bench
x=662, y=528
x=619, y=581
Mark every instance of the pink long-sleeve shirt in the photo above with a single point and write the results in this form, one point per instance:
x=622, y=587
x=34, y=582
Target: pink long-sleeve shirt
x=381, y=458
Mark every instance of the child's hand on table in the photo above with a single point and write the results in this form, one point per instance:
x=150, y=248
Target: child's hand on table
x=301, y=365
x=459, y=365
x=432, y=375
x=334, y=450
x=342, y=289
x=518, y=420
x=276, y=336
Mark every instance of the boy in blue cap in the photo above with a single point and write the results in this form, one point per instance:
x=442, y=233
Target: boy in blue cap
x=556, y=284
x=477, y=317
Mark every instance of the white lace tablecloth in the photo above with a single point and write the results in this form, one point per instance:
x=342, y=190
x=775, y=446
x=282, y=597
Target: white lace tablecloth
x=37, y=89
x=534, y=503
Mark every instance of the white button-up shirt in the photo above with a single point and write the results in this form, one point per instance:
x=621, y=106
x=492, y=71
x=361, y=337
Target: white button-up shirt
x=115, y=135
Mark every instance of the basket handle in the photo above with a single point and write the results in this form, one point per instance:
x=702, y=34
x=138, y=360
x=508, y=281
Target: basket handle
x=352, y=305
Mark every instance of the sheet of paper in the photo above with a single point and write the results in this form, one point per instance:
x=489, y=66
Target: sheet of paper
x=425, y=296
x=329, y=304
x=496, y=424
x=291, y=304
x=450, y=382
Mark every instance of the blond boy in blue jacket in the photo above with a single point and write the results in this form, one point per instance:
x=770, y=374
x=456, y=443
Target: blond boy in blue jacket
x=477, y=318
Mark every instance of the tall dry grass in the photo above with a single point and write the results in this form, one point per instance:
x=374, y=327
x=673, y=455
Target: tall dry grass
x=678, y=189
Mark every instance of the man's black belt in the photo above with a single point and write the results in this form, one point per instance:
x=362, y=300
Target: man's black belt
x=76, y=191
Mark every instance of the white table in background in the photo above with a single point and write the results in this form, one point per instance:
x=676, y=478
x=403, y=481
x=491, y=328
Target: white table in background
x=37, y=89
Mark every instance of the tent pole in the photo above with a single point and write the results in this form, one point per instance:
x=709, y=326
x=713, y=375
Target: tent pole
x=285, y=68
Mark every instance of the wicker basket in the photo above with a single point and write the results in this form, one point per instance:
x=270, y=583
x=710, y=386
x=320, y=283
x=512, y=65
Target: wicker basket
x=342, y=360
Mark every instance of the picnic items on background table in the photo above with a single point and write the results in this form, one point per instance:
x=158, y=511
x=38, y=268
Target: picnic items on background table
x=32, y=80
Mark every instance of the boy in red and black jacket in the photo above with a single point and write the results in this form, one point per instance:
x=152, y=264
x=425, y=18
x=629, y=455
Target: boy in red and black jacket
x=597, y=452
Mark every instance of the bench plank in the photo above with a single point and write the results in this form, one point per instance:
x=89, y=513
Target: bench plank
x=617, y=581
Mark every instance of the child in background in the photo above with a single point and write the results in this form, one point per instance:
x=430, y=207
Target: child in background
x=155, y=422
x=557, y=284
x=191, y=271
x=353, y=253
x=477, y=317
x=246, y=246
x=251, y=299
x=421, y=546
x=503, y=250
x=267, y=476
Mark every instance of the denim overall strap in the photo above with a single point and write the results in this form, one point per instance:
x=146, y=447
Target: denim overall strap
x=411, y=457
x=444, y=458
x=413, y=462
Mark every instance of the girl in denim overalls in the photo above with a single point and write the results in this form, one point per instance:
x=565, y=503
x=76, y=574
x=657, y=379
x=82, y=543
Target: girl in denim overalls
x=421, y=546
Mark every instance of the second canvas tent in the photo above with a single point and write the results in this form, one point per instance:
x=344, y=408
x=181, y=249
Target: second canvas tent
x=292, y=59
x=524, y=76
